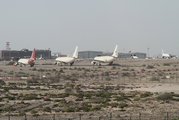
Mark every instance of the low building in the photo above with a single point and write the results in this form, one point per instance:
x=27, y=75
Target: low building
x=92, y=54
x=129, y=55
x=24, y=53
x=89, y=54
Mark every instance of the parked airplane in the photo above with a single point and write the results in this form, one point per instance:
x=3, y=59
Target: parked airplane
x=164, y=55
x=109, y=59
x=26, y=61
x=40, y=58
x=67, y=60
x=134, y=57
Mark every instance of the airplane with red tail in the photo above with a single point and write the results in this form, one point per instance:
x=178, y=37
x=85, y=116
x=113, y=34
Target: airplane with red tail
x=26, y=61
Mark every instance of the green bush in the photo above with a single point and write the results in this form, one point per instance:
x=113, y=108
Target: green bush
x=47, y=99
x=47, y=109
x=10, y=63
x=150, y=67
x=123, y=105
x=41, y=70
x=11, y=98
x=114, y=105
x=125, y=69
x=118, y=98
x=154, y=79
x=80, y=95
x=136, y=98
x=33, y=111
x=113, y=68
x=164, y=97
x=88, y=95
x=34, y=69
x=146, y=94
x=62, y=95
x=2, y=82
x=55, y=105
x=134, y=94
x=79, y=99
x=143, y=65
x=125, y=74
x=1, y=105
x=95, y=100
x=35, y=115
x=63, y=101
x=95, y=108
x=108, y=79
x=27, y=110
x=21, y=114
x=70, y=109
x=30, y=96
x=166, y=64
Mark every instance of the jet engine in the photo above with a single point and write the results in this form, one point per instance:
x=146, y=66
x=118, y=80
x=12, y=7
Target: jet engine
x=71, y=63
x=32, y=64
x=15, y=64
x=93, y=63
x=30, y=61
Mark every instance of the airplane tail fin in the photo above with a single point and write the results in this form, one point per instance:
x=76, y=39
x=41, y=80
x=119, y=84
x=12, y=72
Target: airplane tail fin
x=162, y=51
x=75, y=54
x=33, y=55
x=115, y=53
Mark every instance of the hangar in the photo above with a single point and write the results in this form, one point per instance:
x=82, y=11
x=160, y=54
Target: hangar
x=92, y=54
x=89, y=54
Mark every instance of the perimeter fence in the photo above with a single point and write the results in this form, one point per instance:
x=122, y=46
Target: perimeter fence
x=155, y=76
x=111, y=116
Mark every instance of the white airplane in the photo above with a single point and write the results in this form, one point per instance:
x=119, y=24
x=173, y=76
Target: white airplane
x=67, y=60
x=40, y=58
x=134, y=57
x=103, y=59
x=164, y=55
x=26, y=61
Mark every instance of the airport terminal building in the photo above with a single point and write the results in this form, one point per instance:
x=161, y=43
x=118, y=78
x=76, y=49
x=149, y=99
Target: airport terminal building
x=89, y=54
x=129, y=55
x=24, y=53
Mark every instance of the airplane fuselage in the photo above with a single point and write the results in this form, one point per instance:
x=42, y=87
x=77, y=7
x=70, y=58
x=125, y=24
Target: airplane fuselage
x=65, y=59
x=166, y=56
x=23, y=61
x=104, y=59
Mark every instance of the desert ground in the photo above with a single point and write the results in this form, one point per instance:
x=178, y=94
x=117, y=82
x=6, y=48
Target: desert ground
x=129, y=89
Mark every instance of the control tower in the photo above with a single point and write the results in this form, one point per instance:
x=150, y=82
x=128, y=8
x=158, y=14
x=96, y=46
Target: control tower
x=8, y=46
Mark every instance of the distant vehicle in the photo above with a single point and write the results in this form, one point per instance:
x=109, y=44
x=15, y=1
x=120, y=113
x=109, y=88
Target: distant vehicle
x=66, y=60
x=165, y=55
x=134, y=57
x=26, y=61
x=105, y=59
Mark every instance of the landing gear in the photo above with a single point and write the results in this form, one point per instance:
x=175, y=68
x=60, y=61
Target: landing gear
x=71, y=63
x=111, y=63
x=59, y=64
x=32, y=64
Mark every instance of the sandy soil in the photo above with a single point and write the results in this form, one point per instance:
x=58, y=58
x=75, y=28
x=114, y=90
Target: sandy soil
x=139, y=83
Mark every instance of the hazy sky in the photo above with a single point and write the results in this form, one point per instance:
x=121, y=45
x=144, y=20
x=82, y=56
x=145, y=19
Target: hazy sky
x=133, y=25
